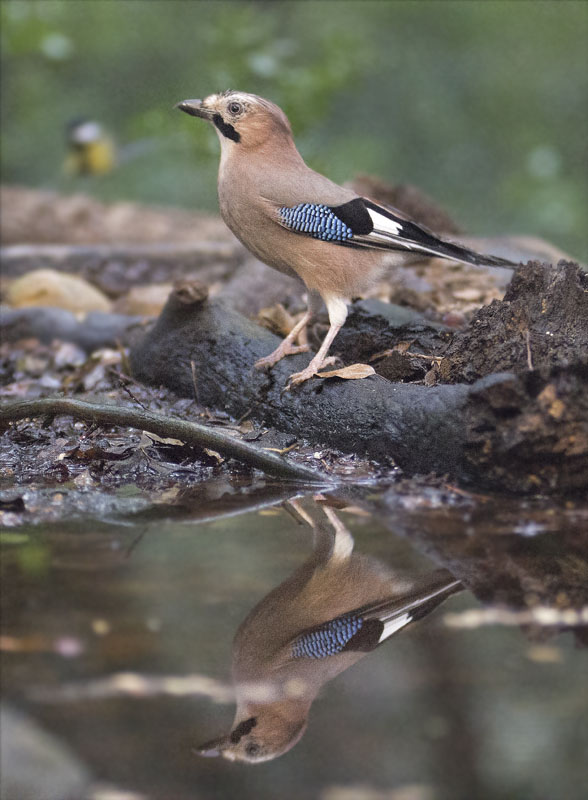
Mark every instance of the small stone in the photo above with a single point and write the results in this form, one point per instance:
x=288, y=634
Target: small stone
x=49, y=287
x=101, y=627
x=469, y=294
x=144, y=300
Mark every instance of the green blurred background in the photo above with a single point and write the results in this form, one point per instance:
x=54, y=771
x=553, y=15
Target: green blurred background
x=484, y=105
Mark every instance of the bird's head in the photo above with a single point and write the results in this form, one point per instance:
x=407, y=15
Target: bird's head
x=240, y=119
x=81, y=132
x=270, y=733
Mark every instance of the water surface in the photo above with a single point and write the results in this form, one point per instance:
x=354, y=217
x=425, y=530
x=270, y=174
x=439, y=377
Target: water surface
x=438, y=711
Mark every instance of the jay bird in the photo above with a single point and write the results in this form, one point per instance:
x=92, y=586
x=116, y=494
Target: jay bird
x=337, y=607
x=301, y=223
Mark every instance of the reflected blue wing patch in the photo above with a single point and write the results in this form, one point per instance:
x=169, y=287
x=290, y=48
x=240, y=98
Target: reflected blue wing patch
x=328, y=639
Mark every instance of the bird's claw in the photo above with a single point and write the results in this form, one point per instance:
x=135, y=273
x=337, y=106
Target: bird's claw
x=311, y=370
x=290, y=350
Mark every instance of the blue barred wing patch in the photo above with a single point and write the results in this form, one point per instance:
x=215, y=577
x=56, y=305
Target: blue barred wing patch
x=328, y=639
x=317, y=220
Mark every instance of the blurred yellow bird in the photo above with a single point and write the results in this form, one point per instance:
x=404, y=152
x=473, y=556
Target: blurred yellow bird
x=90, y=150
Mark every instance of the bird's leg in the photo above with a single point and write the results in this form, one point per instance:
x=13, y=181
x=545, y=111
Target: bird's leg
x=287, y=346
x=318, y=362
x=343, y=538
x=337, y=308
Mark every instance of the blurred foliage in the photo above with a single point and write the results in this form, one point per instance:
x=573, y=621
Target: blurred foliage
x=482, y=104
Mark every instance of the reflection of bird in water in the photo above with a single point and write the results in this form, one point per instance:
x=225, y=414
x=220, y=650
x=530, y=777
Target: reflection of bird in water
x=334, y=609
x=90, y=149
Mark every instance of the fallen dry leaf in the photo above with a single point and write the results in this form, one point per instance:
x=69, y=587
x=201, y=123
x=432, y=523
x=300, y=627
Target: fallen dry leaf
x=163, y=439
x=353, y=372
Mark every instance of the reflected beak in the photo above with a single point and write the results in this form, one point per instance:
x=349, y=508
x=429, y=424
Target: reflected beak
x=214, y=747
x=194, y=108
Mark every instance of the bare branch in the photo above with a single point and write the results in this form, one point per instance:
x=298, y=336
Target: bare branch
x=189, y=432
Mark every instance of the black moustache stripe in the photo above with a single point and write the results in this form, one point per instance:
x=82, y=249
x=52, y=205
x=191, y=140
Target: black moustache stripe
x=226, y=129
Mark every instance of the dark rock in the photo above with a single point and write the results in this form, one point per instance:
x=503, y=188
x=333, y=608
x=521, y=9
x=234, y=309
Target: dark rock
x=98, y=329
x=254, y=286
x=508, y=554
x=530, y=432
x=374, y=327
x=420, y=428
x=36, y=764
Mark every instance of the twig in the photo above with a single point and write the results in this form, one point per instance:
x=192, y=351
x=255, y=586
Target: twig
x=281, y=450
x=189, y=432
x=124, y=385
x=410, y=354
x=134, y=543
x=436, y=359
x=529, y=357
x=195, y=382
x=243, y=417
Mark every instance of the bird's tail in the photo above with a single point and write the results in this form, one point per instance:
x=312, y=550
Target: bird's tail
x=418, y=602
x=417, y=237
x=457, y=252
x=391, y=230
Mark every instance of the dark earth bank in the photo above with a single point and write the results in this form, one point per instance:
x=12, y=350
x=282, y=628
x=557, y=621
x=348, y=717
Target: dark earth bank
x=501, y=403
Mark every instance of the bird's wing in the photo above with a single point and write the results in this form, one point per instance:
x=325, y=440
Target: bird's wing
x=363, y=223
x=363, y=629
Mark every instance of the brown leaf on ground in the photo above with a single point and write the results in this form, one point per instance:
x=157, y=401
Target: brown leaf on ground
x=353, y=372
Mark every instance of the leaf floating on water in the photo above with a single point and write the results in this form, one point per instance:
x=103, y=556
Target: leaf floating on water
x=354, y=372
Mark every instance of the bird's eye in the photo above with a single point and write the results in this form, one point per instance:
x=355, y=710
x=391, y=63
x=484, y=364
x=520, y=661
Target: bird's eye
x=252, y=749
x=235, y=108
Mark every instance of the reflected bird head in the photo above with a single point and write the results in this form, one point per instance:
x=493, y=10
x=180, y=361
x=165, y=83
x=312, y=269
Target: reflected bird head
x=272, y=732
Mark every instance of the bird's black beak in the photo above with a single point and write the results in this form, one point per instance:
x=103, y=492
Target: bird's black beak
x=194, y=108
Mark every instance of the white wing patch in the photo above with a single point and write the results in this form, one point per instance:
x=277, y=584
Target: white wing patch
x=386, y=229
x=394, y=625
x=383, y=225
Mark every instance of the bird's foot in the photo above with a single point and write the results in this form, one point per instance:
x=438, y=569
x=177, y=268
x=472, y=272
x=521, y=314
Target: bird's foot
x=284, y=349
x=311, y=370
